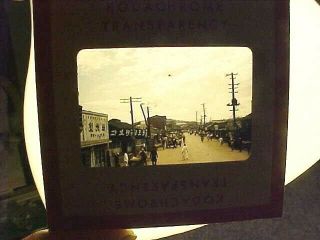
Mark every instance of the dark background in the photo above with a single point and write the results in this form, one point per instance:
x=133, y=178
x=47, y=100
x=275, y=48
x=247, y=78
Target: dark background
x=21, y=209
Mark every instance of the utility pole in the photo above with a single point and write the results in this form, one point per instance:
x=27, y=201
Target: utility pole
x=148, y=112
x=144, y=116
x=197, y=118
x=234, y=102
x=131, y=100
x=204, y=114
x=149, y=129
x=149, y=124
x=147, y=121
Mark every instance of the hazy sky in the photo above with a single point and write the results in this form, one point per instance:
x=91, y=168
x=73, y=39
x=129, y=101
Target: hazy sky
x=173, y=81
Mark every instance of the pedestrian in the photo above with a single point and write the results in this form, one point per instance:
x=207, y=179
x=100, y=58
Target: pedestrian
x=165, y=138
x=163, y=142
x=154, y=156
x=240, y=144
x=212, y=136
x=116, y=159
x=143, y=157
x=183, y=138
x=184, y=151
x=125, y=159
x=232, y=143
x=175, y=142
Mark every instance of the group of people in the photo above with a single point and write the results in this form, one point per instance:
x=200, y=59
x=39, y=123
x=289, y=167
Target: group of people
x=153, y=156
x=118, y=162
x=140, y=158
x=233, y=141
x=172, y=141
x=136, y=159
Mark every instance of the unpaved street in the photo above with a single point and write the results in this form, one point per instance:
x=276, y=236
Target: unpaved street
x=199, y=152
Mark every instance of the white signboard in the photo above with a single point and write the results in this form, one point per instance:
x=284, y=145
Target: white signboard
x=94, y=128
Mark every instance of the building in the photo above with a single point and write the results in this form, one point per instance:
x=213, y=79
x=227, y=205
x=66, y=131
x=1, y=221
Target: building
x=245, y=127
x=94, y=139
x=158, y=122
x=120, y=136
x=124, y=138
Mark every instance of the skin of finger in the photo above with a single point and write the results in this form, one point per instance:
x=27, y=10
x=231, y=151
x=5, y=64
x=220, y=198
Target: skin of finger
x=84, y=235
x=39, y=235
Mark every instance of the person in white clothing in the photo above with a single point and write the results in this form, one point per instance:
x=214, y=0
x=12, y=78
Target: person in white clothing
x=184, y=151
x=125, y=159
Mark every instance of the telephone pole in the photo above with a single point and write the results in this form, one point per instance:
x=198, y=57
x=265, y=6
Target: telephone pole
x=144, y=116
x=234, y=102
x=204, y=114
x=149, y=124
x=131, y=100
x=197, y=118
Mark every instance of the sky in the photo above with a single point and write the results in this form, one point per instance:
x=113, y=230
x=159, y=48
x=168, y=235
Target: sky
x=172, y=81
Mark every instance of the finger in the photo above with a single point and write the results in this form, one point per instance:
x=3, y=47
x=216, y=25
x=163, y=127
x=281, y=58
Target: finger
x=39, y=235
x=117, y=234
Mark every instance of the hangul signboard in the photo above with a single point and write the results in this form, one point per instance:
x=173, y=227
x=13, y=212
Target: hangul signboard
x=94, y=127
x=128, y=132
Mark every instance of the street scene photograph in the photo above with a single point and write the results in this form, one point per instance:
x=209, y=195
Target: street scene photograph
x=164, y=105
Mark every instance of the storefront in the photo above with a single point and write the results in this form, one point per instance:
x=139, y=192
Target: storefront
x=94, y=139
x=124, y=138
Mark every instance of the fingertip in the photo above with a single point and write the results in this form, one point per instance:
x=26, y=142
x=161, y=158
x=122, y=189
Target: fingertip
x=39, y=235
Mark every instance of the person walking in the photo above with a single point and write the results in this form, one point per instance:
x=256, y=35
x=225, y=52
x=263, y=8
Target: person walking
x=165, y=138
x=174, y=140
x=154, y=156
x=185, y=153
x=116, y=159
x=125, y=159
x=143, y=157
x=232, y=143
x=181, y=142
